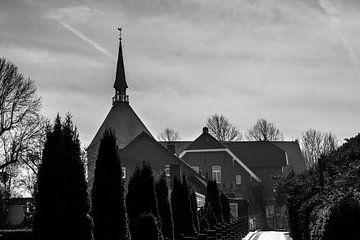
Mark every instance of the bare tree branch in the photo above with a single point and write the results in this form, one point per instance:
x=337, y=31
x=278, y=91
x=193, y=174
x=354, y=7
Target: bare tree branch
x=264, y=131
x=315, y=143
x=220, y=127
x=169, y=135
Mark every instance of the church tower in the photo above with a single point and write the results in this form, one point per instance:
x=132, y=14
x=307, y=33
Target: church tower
x=121, y=118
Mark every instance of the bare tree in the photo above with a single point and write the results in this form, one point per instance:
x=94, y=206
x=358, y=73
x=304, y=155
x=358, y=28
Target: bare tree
x=21, y=125
x=220, y=127
x=315, y=143
x=264, y=131
x=169, y=135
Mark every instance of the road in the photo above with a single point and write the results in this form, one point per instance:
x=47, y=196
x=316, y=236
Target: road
x=268, y=235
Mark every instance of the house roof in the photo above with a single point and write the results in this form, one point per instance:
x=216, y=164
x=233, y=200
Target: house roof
x=295, y=157
x=180, y=146
x=205, y=141
x=194, y=177
x=124, y=121
x=258, y=154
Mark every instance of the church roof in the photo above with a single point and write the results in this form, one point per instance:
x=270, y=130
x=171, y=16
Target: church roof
x=120, y=81
x=124, y=121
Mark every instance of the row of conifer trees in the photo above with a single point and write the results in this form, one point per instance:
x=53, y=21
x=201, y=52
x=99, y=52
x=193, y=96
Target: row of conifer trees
x=63, y=208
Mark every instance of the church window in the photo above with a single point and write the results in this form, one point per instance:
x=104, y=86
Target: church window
x=216, y=173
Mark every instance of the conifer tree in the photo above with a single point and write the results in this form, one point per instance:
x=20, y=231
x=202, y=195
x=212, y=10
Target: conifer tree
x=62, y=201
x=189, y=229
x=181, y=207
x=147, y=228
x=225, y=207
x=210, y=216
x=204, y=226
x=108, y=203
x=141, y=196
x=194, y=209
x=212, y=196
x=162, y=194
x=176, y=206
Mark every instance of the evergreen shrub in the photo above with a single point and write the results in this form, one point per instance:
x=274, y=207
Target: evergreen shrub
x=162, y=194
x=147, y=228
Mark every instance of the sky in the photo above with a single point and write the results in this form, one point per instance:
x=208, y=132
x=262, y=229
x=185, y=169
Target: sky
x=292, y=62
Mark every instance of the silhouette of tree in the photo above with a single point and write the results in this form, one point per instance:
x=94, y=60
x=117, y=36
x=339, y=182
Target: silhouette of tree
x=220, y=127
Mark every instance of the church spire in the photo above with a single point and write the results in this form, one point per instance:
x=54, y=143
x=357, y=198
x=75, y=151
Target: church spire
x=120, y=84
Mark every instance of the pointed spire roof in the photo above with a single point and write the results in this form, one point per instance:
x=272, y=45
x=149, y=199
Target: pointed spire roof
x=120, y=81
x=125, y=122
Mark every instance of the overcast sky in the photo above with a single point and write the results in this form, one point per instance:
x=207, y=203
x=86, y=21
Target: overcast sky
x=293, y=62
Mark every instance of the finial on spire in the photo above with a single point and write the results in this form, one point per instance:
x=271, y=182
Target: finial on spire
x=120, y=33
x=120, y=84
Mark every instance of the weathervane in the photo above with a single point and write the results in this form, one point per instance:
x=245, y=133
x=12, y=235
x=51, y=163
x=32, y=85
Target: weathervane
x=120, y=29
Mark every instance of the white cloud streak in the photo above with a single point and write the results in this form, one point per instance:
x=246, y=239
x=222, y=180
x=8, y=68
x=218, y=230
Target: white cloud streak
x=88, y=40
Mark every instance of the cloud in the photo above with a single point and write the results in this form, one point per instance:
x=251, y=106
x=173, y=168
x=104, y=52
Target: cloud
x=333, y=12
x=79, y=15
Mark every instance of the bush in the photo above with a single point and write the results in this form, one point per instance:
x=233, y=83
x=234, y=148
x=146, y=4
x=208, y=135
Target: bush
x=147, y=226
x=337, y=218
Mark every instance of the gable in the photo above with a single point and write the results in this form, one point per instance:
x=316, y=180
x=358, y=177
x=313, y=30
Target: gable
x=205, y=141
x=145, y=148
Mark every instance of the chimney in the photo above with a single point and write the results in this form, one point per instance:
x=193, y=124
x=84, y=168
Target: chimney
x=205, y=130
x=171, y=147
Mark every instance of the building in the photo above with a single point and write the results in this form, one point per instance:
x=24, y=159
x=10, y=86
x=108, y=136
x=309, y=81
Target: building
x=233, y=165
x=135, y=142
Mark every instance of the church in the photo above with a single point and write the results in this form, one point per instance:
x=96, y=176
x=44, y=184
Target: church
x=233, y=165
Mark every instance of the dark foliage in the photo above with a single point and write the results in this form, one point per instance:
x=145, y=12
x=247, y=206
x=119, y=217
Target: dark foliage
x=181, y=209
x=194, y=209
x=108, y=203
x=210, y=216
x=162, y=194
x=204, y=226
x=256, y=190
x=189, y=229
x=327, y=209
x=147, y=226
x=176, y=206
x=212, y=196
x=225, y=207
x=62, y=202
x=336, y=217
x=141, y=196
